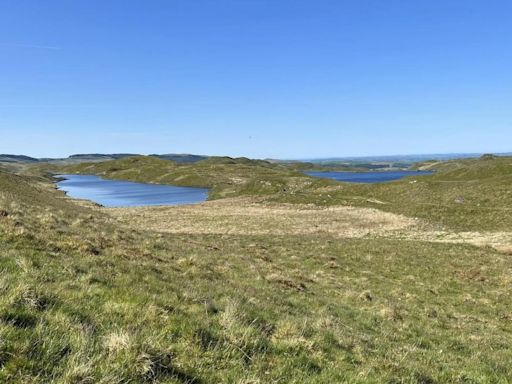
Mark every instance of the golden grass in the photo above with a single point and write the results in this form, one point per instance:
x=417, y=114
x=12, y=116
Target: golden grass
x=250, y=216
x=245, y=216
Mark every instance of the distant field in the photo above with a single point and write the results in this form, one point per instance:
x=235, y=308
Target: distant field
x=280, y=278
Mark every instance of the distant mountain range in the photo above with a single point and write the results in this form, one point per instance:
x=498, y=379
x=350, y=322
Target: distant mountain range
x=17, y=159
x=189, y=158
x=94, y=157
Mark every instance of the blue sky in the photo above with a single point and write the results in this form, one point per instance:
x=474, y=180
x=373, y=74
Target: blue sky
x=259, y=78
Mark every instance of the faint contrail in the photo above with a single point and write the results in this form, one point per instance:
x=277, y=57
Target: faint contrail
x=35, y=46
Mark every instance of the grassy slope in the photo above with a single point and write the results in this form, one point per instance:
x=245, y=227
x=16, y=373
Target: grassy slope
x=225, y=176
x=470, y=194
x=84, y=300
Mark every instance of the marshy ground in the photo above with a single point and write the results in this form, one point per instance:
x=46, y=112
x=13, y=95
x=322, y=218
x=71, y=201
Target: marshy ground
x=249, y=216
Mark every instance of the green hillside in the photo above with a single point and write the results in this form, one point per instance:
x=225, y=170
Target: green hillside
x=87, y=299
x=469, y=194
x=225, y=176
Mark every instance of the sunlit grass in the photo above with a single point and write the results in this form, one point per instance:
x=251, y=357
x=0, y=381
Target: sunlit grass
x=86, y=298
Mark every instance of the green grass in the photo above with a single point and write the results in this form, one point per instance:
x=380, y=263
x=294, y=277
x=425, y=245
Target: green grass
x=75, y=319
x=86, y=300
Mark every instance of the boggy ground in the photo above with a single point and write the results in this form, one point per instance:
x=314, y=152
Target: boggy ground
x=252, y=216
x=248, y=290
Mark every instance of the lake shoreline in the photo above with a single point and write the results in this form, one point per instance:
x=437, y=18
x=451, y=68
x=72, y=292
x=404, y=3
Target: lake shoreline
x=111, y=193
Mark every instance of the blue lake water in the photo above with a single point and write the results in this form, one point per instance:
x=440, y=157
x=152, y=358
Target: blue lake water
x=119, y=193
x=366, y=177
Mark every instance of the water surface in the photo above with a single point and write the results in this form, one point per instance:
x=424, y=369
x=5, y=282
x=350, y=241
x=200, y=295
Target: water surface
x=120, y=193
x=366, y=177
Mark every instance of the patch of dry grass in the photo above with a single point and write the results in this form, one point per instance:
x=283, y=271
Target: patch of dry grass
x=246, y=216
x=252, y=217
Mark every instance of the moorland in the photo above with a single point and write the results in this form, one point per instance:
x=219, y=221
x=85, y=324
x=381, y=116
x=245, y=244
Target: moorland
x=278, y=278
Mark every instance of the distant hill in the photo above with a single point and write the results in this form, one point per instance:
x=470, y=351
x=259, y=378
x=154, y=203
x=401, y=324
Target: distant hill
x=225, y=176
x=98, y=157
x=392, y=162
x=101, y=156
x=17, y=159
x=181, y=158
x=337, y=163
x=235, y=160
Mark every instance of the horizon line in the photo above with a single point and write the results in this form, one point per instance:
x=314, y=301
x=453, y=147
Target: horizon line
x=336, y=157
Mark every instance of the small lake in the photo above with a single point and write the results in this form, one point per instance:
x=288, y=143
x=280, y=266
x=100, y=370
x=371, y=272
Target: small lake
x=366, y=177
x=119, y=193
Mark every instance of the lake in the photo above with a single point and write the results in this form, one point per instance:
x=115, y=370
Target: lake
x=366, y=177
x=119, y=193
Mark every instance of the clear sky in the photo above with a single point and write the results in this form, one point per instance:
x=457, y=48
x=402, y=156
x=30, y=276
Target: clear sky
x=259, y=78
